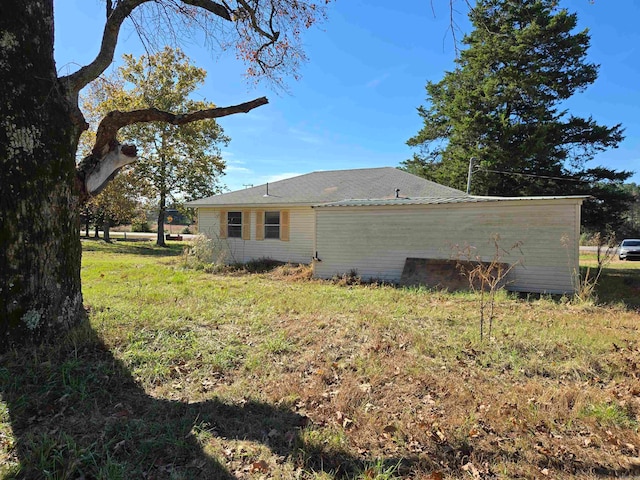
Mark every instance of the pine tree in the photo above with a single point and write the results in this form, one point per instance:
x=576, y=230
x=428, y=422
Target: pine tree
x=503, y=105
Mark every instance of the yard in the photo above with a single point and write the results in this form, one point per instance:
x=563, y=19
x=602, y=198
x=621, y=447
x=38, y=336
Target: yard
x=180, y=373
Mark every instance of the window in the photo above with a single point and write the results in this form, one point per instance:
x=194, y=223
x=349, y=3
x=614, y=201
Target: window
x=271, y=224
x=234, y=224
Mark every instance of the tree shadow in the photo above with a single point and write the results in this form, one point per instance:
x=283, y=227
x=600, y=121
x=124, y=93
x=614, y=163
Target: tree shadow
x=75, y=411
x=619, y=286
x=133, y=247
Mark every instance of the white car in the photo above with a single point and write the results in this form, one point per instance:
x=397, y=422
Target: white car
x=629, y=249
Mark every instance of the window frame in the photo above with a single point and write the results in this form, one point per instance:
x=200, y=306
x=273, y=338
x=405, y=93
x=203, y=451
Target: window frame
x=236, y=228
x=272, y=230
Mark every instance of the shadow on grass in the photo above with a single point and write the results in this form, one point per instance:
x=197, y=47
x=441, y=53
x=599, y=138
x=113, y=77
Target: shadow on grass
x=618, y=286
x=76, y=412
x=133, y=247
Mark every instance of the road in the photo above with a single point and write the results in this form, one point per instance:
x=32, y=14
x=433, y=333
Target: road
x=187, y=237
x=134, y=235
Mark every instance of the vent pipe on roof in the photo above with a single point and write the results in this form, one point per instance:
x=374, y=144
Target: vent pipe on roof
x=397, y=193
x=267, y=194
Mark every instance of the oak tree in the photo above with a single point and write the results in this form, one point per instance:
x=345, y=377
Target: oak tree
x=117, y=204
x=41, y=189
x=176, y=162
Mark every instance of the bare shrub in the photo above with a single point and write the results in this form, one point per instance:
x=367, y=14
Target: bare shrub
x=486, y=277
x=205, y=253
x=606, y=252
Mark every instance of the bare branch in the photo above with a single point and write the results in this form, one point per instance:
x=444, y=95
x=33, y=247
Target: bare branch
x=247, y=9
x=114, y=121
x=78, y=80
x=116, y=16
x=213, y=7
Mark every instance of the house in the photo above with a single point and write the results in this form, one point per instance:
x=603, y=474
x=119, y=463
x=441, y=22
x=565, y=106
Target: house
x=372, y=220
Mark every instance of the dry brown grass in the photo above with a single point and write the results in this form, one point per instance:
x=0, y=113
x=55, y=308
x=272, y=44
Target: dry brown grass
x=272, y=375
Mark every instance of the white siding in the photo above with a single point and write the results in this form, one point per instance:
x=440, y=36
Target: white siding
x=375, y=241
x=299, y=248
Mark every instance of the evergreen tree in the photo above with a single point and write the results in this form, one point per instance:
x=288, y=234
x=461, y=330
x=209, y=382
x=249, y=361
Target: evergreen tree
x=503, y=105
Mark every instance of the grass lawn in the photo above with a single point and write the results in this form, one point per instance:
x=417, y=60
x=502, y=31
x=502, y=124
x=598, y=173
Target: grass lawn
x=179, y=373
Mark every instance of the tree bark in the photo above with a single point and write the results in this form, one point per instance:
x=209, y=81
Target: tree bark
x=39, y=223
x=105, y=228
x=41, y=189
x=161, y=214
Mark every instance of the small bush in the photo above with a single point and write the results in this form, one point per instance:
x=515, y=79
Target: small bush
x=259, y=265
x=210, y=255
x=186, y=231
x=140, y=224
x=350, y=278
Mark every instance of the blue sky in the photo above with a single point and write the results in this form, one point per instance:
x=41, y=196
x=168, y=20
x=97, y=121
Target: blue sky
x=355, y=105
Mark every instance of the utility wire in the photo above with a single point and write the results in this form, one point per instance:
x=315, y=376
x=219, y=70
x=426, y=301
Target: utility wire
x=532, y=175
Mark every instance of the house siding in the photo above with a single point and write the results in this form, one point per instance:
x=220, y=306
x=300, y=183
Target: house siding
x=297, y=249
x=375, y=241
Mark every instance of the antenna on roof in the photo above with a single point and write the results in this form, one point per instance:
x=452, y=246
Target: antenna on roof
x=267, y=194
x=247, y=185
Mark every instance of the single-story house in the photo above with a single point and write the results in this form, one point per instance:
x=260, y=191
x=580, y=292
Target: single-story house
x=370, y=221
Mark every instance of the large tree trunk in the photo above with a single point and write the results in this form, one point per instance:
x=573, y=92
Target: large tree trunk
x=106, y=226
x=161, y=214
x=40, y=250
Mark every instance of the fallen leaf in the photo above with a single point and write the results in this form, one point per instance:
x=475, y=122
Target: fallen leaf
x=365, y=387
x=439, y=436
x=470, y=468
x=390, y=429
x=259, y=467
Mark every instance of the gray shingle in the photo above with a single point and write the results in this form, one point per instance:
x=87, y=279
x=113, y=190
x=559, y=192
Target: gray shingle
x=334, y=186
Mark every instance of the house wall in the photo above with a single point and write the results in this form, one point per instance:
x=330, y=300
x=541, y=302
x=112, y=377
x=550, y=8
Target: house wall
x=375, y=241
x=298, y=249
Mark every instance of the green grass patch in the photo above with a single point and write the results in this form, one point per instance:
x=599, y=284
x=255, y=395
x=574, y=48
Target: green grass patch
x=180, y=373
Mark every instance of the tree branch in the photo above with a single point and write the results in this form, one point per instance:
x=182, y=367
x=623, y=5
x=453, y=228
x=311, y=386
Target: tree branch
x=96, y=170
x=116, y=16
x=115, y=120
x=213, y=7
x=78, y=80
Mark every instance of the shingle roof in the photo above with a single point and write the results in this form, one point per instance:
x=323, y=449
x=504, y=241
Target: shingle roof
x=334, y=186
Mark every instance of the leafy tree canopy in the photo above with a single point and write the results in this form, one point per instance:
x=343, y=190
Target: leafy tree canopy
x=503, y=105
x=176, y=161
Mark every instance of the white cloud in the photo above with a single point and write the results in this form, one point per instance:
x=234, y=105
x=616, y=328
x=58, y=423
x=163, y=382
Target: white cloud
x=377, y=81
x=235, y=169
x=278, y=176
x=305, y=137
